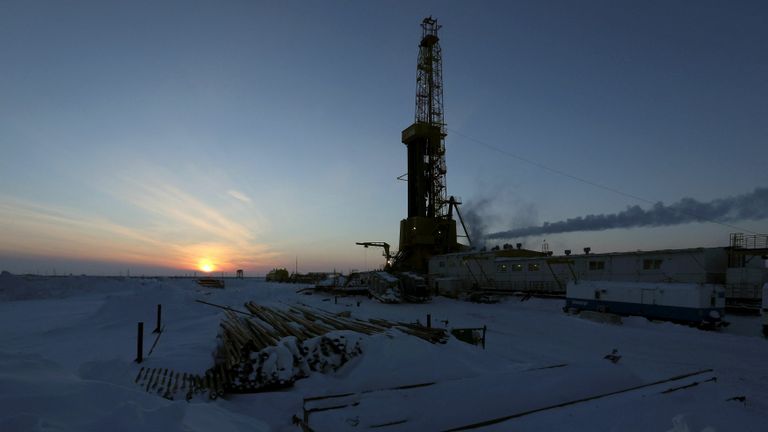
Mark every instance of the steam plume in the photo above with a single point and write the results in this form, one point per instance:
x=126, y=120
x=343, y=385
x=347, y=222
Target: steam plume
x=750, y=206
x=476, y=224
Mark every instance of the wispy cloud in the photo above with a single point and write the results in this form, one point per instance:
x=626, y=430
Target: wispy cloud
x=32, y=228
x=239, y=196
x=177, y=230
x=171, y=204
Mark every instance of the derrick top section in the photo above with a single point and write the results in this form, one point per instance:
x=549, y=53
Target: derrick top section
x=429, y=80
x=429, y=29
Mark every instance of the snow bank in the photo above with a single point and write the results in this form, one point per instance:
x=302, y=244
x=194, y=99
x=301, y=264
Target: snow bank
x=66, y=364
x=39, y=395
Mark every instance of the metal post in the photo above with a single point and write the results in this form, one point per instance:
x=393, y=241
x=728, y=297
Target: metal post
x=140, y=343
x=484, y=329
x=335, y=300
x=429, y=321
x=159, y=319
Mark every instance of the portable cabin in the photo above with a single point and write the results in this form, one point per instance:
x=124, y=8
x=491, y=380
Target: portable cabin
x=702, y=304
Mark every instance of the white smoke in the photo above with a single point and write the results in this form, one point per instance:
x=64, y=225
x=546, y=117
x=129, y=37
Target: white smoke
x=750, y=206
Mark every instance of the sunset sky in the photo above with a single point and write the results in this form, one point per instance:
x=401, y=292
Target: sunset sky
x=161, y=136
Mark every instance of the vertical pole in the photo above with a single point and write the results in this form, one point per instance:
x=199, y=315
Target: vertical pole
x=159, y=319
x=140, y=343
x=429, y=321
x=335, y=300
x=484, y=329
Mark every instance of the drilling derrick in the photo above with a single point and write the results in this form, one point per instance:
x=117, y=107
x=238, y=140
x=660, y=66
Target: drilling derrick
x=429, y=228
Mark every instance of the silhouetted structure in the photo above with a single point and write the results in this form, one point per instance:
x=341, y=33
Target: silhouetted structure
x=429, y=228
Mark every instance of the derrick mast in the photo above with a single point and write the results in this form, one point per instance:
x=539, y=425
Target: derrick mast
x=429, y=112
x=429, y=228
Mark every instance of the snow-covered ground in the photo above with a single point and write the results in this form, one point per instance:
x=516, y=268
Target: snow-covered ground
x=67, y=346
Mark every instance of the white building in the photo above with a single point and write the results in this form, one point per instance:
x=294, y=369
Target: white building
x=539, y=273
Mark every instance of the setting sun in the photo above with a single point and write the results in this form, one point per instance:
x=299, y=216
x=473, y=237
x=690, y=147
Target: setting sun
x=206, y=265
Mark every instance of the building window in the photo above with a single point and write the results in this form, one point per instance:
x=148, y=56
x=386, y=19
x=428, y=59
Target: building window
x=597, y=265
x=651, y=264
x=517, y=267
x=533, y=267
x=442, y=264
x=501, y=267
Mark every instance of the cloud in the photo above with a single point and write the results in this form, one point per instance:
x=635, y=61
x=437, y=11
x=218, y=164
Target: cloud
x=239, y=196
x=172, y=204
x=172, y=229
x=32, y=228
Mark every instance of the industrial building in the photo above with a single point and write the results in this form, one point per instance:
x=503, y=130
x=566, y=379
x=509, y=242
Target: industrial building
x=741, y=270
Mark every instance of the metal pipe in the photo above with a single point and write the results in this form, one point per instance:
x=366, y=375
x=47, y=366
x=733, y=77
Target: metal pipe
x=140, y=343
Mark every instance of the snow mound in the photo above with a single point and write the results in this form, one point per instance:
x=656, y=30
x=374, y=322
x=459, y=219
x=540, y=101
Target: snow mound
x=290, y=360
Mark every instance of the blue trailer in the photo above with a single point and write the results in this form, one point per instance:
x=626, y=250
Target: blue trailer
x=697, y=304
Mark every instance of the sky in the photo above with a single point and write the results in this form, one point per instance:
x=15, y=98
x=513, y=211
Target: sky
x=162, y=137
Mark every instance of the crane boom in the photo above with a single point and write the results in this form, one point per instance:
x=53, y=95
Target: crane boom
x=384, y=245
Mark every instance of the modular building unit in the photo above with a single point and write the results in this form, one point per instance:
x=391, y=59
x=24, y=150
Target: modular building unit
x=695, y=265
x=469, y=271
x=702, y=304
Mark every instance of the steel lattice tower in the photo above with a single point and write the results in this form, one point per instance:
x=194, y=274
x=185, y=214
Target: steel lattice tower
x=429, y=111
x=429, y=228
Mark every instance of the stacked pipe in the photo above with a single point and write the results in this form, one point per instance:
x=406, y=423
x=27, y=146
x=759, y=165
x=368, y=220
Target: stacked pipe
x=272, y=348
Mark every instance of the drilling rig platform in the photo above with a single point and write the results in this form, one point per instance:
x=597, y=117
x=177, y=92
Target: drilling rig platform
x=429, y=228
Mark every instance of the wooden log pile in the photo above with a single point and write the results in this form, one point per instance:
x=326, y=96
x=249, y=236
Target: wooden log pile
x=211, y=283
x=271, y=349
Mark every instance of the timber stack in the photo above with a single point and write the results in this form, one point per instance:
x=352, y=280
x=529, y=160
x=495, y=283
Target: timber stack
x=268, y=349
x=273, y=348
